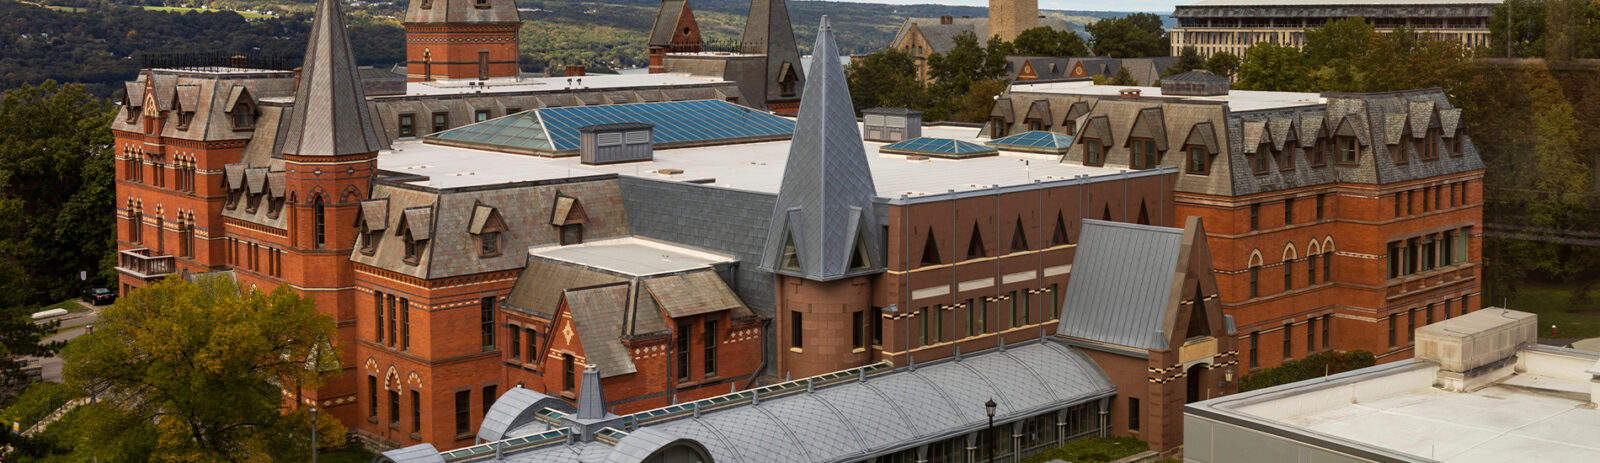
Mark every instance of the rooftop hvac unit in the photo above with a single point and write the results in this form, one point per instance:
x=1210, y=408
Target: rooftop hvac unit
x=890, y=125
x=614, y=143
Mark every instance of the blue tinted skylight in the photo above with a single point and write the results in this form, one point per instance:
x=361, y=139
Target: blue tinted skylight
x=1034, y=142
x=677, y=123
x=939, y=147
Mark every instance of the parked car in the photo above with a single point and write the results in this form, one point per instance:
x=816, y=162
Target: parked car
x=99, y=296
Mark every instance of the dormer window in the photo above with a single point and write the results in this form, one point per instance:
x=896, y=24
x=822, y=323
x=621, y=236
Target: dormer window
x=427, y=4
x=1199, y=161
x=1258, y=161
x=373, y=221
x=486, y=227
x=489, y=244
x=1430, y=145
x=243, y=118
x=416, y=225
x=1094, y=153
x=1320, y=150
x=1456, y=145
x=414, y=248
x=369, y=240
x=567, y=214
x=480, y=4
x=1144, y=154
x=1349, y=150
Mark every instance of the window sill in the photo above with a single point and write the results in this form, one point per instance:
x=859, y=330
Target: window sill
x=416, y=437
x=796, y=350
x=858, y=350
x=372, y=419
x=464, y=436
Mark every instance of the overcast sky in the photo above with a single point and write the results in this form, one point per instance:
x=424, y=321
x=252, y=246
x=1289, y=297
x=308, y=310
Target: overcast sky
x=1162, y=6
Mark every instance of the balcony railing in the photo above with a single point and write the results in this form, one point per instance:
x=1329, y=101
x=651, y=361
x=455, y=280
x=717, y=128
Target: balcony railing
x=144, y=264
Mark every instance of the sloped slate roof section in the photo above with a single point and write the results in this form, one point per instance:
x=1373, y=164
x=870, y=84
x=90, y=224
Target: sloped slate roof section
x=1150, y=124
x=330, y=115
x=692, y=294
x=598, y=314
x=1203, y=134
x=539, y=288
x=1002, y=109
x=1449, y=121
x=276, y=184
x=1253, y=133
x=1040, y=110
x=826, y=175
x=461, y=11
x=376, y=213
x=767, y=29
x=419, y=221
x=1280, y=128
x=235, y=175
x=1121, y=283
x=666, y=22
x=1311, y=127
x=1076, y=110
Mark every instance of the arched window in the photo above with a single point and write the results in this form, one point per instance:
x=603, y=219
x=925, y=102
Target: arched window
x=320, y=221
x=1255, y=274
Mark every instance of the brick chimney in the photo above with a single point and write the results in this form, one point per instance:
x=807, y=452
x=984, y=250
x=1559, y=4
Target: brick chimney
x=238, y=61
x=947, y=19
x=1129, y=93
x=575, y=70
x=658, y=60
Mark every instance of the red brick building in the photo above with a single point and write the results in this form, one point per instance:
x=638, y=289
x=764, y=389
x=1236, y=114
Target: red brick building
x=461, y=39
x=1336, y=221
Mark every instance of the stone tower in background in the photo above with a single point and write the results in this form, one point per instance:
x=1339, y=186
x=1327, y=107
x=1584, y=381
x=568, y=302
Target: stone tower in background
x=1007, y=18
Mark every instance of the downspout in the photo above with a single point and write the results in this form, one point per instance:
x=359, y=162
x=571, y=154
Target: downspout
x=761, y=367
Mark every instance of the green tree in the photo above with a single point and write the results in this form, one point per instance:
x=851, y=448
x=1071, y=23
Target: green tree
x=1045, y=41
x=1269, y=66
x=1122, y=77
x=1527, y=18
x=1133, y=36
x=200, y=366
x=1223, y=64
x=1405, y=60
x=886, y=78
x=1560, y=177
x=974, y=104
x=1338, y=40
x=955, y=73
x=1188, y=60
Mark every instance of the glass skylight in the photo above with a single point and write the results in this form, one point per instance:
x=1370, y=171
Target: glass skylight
x=554, y=131
x=1034, y=142
x=938, y=147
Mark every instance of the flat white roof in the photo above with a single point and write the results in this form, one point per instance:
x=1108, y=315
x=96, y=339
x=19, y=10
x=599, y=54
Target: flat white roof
x=1538, y=414
x=744, y=166
x=1237, y=100
x=631, y=256
x=552, y=84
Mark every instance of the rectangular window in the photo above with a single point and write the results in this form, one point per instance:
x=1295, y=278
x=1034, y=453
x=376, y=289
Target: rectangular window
x=372, y=398
x=709, y=350
x=480, y=115
x=1144, y=154
x=393, y=320
x=858, y=329
x=533, y=346
x=408, y=125
x=515, y=335
x=1054, y=310
x=1198, y=161
x=394, y=409
x=463, y=412
x=1321, y=199
x=1288, y=212
x=796, y=336
x=486, y=320
x=1428, y=314
x=1093, y=153
x=1327, y=321
x=876, y=318
x=1026, y=307
x=1395, y=259
x=1133, y=414
x=1255, y=341
x=684, y=331
x=1398, y=206
x=1288, y=275
x=1410, y=203
x=488, y=398
x=1446, y=309
x=1411, y=326
x=416, y=411
x=1288, y=346
x=377, y=306
x=405, y=324
x=1311, y=335
x=1255, y=282
x=983, y=315
x=1255, y=217
x=1011, y=303
x=567, y=381
x=441, y=122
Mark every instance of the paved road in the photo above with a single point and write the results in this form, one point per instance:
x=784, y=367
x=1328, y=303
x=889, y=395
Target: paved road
x=72, y=326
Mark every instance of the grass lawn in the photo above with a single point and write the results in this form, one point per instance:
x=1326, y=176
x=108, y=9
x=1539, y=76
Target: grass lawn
x=1091, y=450
x=351, y=454
x=1555, y=306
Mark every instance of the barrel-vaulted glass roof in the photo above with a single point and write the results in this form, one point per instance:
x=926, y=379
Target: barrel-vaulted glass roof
x=554, y=131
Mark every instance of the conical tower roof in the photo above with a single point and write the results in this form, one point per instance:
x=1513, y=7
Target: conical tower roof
x=824, y=207
x=767, y=31
x=330, y=116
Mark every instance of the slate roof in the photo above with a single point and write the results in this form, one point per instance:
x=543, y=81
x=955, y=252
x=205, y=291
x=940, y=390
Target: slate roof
x=767, y=27
x=461, y=11
x=941, y=37
x=330, y=115
x=1121, y=284
x=692, y=294
x=824, y=203
x=207, y=99
x=666, y=23
x=850, y=420
x=718, y=219
x=452, y=248
x=540, y=286
x=597, y=313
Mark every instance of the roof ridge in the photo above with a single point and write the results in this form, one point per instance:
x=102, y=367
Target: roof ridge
x=1135, y=226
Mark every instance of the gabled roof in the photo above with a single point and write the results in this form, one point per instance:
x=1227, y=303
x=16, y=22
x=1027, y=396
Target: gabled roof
x=1150, y=124
x=824, y=203
x=597, y=313
x=666, y=24
x=375, y=212
x=418, y=221
x=1280, y=129
x=1002, y=109
x=692, y=294
x=330, y=116
x=1040, y=110
x=1203, y=134
x=1122, y=284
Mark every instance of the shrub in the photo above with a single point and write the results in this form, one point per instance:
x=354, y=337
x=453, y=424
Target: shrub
x=1314, y=366
x=35, y=403
x=1091, y=450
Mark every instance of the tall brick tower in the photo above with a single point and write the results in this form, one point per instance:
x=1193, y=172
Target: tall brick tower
x=329, y=152
x=461, y=39
x=1007, y=18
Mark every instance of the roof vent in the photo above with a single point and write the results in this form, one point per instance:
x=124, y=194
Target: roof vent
x=1195, y=83
x=613, y=143
x=1129, y=92
x=947, y=19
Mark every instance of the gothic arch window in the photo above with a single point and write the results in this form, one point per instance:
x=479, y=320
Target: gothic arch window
x=1255, y=273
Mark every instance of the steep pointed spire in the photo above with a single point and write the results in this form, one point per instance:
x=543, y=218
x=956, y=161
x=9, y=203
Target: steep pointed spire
x=767, y=31
x=330, y=116
x=824, y=206
x=591, y=400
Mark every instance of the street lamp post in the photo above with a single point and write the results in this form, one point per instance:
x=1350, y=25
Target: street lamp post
x=988, y=408
x=313, y=434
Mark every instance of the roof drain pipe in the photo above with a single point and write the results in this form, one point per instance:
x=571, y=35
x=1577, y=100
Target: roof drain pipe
x=762, y=367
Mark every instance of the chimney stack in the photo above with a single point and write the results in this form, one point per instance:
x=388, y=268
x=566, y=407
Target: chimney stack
x=1129, y=92
x=575, y=70
x=238, y=61
x=947, y=19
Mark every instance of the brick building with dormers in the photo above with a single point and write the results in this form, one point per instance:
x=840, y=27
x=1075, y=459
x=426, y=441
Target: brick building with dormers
x=1336, y=221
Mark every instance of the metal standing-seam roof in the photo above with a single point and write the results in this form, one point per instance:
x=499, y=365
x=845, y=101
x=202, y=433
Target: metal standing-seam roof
x=330, y=115
x=1121, y=283
x=824, y=203
x=520, y=406
x=852, y=419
